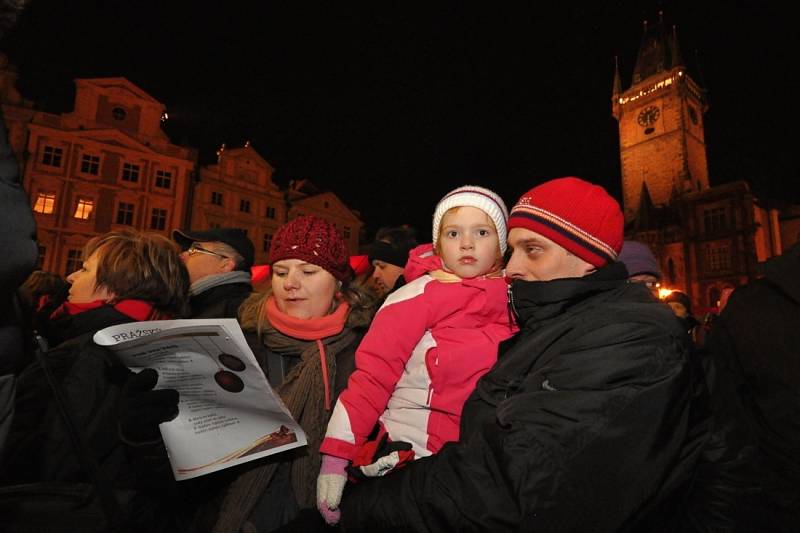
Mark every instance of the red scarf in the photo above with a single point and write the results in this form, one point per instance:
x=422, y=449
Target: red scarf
x=310, y=329
x=138, y=310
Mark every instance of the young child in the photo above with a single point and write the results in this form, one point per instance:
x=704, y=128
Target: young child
x=427, y=345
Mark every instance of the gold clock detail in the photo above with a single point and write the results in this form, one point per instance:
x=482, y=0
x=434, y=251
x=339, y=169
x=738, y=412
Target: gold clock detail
x=648, y=116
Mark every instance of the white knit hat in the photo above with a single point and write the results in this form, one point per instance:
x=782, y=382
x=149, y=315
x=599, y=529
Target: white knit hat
x=474, y=196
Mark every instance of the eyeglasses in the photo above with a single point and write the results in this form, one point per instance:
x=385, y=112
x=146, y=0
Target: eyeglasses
x=197, y=249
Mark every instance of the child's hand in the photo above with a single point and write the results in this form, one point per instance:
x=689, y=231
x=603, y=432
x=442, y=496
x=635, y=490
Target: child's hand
x=330, y=485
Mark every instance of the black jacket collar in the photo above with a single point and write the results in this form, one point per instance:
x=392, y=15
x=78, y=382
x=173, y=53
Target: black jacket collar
x=533, y=301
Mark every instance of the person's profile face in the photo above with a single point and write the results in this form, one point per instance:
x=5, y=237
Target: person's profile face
x=83, y=283
x=384, y=276
x=534, y=257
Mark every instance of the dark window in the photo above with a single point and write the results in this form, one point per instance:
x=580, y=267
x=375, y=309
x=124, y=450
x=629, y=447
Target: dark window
x=718, y=258
x=125, y=214
x=118, y=113
x=713, y=297
x=244, y=206
x=90, y=164
x=267, y=242
x=270, y=212
x=214, y=225
x=163, y=179
x=715, y=220
x=40, y=259
x=74, y=260
x=158, y=220
x=346, y=232
x=130, y=172
x=671, y=271
x=216, y=198
x=52, y=156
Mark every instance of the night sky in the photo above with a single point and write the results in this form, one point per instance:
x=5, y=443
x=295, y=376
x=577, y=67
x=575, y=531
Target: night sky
x=391, y=108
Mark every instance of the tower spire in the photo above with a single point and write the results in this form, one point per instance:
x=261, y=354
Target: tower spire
x=617, y=90
x=677, y=58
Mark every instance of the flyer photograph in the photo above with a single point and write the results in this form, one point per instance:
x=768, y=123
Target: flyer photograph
x=228, y=413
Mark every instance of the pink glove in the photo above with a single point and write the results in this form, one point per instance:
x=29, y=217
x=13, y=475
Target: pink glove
x=330, y=485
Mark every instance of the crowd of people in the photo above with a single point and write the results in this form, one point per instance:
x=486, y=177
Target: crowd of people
x=517, y=371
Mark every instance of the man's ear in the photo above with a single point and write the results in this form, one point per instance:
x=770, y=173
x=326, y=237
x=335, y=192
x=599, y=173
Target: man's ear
x=228, y=265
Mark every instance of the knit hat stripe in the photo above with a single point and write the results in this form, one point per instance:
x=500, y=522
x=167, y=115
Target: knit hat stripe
x=566, y=229
x=499, y=205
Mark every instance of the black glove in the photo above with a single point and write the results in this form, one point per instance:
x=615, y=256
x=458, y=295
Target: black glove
x=141, y=409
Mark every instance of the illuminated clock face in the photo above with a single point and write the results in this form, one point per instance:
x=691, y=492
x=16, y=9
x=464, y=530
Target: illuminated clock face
x=648, y=116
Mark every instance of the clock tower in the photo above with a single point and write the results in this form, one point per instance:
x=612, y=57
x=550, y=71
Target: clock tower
x=660, y=116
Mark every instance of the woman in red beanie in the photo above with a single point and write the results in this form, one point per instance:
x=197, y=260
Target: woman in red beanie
x=308, y=326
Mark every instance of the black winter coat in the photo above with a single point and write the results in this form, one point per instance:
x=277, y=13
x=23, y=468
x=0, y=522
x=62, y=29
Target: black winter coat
x=222, y=301
x=592, y=420
x=758, y=333
x=91, y=379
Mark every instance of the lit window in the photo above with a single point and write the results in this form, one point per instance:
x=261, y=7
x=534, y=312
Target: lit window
x=271, y=212
x=45, y=203
x=130, y=172
x=216, y=198
x=74, y=260
x=52, y=156
x=125, y=214
x=158, y=219
x=267, y=242
x=84, y=208
x=163, y=179
x=90, y=164
x=244, y=206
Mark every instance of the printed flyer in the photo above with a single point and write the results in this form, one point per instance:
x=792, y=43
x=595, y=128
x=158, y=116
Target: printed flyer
x=228, y=412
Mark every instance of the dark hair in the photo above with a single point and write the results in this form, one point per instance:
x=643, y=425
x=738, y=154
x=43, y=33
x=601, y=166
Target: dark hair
x=401, y=236
x=141, y=266
x=392, y=245
x=681, y=298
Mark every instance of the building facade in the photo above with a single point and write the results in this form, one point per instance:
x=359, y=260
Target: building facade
x=706, y=237
x=238, y=191
x=304, y=198
x=105, y=166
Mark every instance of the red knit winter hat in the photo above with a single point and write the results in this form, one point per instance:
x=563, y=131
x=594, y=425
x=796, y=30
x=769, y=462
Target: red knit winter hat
x=580, y=216
x=313, y=240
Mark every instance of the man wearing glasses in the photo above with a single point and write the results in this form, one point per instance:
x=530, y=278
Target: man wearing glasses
x=218, y=261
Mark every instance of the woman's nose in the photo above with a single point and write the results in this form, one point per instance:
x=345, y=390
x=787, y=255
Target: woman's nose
x=291, y=281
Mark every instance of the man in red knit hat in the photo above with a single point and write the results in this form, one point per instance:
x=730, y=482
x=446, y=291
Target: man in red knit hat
x=592, y=418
